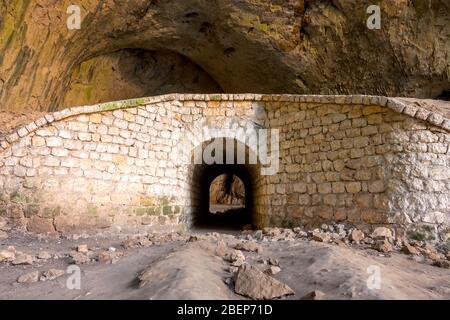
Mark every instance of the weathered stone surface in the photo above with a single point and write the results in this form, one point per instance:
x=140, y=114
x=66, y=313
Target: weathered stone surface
x=7, y=255
x=314, y=295
x=40, y=225
x=383, y=246
x=382, y=233
x=356, y=235
x=30, y=277
x=249, y=246
x=51, y=274
x=23, y=258
x=254, y=284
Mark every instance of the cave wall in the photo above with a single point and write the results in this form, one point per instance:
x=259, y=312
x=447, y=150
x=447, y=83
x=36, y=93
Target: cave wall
x=363, y=160
x=280, y=46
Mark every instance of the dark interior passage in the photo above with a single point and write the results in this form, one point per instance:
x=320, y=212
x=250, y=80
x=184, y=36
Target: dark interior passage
x=223, y=194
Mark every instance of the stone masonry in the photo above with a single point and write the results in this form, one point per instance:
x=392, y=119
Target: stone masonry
x=363, y=160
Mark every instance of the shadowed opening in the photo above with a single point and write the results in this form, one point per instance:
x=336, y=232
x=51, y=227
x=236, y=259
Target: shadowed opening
x=224, y=209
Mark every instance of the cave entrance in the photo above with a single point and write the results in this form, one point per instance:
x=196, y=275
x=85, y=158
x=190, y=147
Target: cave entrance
x=226, y=194
x=223, y=194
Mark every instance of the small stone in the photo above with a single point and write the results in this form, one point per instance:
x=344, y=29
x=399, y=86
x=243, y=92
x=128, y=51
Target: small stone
x=3, y=235
x=409, y=249
x=381, y=233
x=235, y=257
x=44, y=255
x=273, y=270
x=22, y=258
x=79, y=258
x=442, y=264
x=52, y=274
x=320, y=236
x=249, y=246
x=383, y=246
x=30, y=277
x=83, y=248
x=7, y=255
x=314, y=295
x=274, y=262
x=356, y=235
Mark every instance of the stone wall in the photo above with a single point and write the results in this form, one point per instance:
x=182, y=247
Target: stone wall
x=364, y=160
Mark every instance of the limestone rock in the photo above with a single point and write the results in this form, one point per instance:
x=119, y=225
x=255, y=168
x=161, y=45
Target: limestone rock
x=383, y=246
x=273, y=270
x=23, y=258
x=51, y=274
x=30, y=277
x=8, y=255
x=442, y=264
x=381, y=233
x=79, y=258
x=252, y=283
x=314, y=295
x=320, y=236
x=3, y=235
x=356, y=235
x=235, y=257
x=249, y=246
x=409, y=249
x=109, y=256
x=83, y=248
x=44, y=255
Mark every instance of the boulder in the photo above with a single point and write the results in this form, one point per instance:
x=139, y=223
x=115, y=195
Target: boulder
x=356, y=235
x=30, y=277
x=252, y=283
x=381, y=233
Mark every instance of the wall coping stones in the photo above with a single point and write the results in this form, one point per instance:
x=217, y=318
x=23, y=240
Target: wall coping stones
x=395, y=104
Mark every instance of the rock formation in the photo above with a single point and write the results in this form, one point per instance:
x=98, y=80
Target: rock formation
x=133, y=48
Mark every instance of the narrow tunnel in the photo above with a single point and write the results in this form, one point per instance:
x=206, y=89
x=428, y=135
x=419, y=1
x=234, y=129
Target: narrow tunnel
x=243, y=168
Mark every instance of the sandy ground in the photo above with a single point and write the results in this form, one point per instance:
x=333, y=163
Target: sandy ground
x=182, y=269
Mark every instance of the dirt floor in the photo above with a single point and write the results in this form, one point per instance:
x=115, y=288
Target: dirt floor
x=191, y=266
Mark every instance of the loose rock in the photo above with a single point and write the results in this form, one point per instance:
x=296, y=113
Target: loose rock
x=3, y=235
x=273, y=270
x=383, y=246
x=23, y=258
x=30, y=277
x=83, y=248
x=381, y=233
x=79, y=258
x=251, y=282
x=314, y=295
x=44, y=255
x=320, y=236
x=52, y=274
x=356, y=235
x=249, y=246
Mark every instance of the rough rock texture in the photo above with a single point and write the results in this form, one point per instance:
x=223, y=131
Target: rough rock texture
x=293, y=46
x=227, y=190
x=252, y=283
